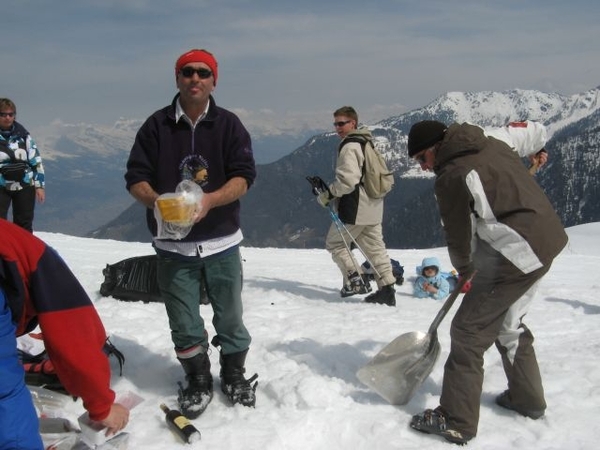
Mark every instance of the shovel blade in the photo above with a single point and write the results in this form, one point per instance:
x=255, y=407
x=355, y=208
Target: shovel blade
x=398, y=370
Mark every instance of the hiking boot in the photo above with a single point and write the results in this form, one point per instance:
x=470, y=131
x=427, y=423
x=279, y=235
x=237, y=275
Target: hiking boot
x=194, y=399
x=384, y=296
x=233, y=383
x=505, y=401
x=361, y=288
x=433, y=421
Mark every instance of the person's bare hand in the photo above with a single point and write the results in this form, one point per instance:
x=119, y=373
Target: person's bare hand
x=430, y=288
x=202, y=208
x=117, y=419
x=540, y=158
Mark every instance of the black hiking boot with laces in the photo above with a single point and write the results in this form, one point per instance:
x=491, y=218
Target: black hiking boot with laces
x=384, y=296
x=234, y=385
x=194, y=398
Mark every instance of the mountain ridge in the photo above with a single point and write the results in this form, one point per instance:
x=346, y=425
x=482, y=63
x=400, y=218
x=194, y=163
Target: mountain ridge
x=278, y=217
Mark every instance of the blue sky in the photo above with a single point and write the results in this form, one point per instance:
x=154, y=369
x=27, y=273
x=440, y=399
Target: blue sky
x=289, y=64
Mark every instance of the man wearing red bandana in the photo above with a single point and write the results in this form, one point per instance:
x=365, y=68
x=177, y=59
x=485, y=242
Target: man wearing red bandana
x=194, y=139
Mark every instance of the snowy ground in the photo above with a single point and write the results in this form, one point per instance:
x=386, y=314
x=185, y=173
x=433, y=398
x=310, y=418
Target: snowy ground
x=308, y=344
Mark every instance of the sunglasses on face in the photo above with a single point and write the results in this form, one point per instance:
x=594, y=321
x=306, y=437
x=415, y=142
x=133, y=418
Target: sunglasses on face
x=7, y=114
x=188, y=72
x=341, y=124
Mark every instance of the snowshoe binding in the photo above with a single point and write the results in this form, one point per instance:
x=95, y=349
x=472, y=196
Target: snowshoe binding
x=194, y=399
x=433, y=421
x=234, y=385
x=357, y=284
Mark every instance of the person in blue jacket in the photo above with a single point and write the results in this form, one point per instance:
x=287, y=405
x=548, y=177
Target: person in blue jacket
x=38, y=288
x=431, y=283
x=22, y=179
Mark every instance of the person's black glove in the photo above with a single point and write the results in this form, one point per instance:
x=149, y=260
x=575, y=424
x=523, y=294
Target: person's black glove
x=318, y=185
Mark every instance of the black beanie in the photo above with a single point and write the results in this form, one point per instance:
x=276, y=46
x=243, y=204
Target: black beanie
x=424, y=134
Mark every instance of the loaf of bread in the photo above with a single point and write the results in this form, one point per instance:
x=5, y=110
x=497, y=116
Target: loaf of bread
x=175, y=209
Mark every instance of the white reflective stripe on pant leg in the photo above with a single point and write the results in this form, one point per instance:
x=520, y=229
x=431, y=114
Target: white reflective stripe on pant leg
x=510, y=331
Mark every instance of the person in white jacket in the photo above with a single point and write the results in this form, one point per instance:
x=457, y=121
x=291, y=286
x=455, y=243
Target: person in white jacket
x=527, y=138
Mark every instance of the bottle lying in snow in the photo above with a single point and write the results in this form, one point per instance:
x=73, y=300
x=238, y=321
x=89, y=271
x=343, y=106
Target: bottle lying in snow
x=180, y=424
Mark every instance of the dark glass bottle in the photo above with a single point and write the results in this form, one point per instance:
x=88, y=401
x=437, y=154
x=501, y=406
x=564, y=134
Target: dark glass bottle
x=180, y=424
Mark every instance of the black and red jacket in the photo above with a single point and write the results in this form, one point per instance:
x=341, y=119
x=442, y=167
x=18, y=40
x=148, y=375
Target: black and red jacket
x=41, y=289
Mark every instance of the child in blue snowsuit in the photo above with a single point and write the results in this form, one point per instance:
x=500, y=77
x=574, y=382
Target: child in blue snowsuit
x=430, y=282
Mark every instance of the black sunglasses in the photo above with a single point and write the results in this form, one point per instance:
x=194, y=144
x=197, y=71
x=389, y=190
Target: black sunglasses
x=7, y=114
x=188, y=72
x=341, y=124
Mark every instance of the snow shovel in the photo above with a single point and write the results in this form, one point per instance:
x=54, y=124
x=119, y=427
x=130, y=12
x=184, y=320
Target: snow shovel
x=397, y=371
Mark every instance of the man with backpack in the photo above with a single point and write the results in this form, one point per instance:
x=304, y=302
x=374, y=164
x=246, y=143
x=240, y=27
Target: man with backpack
x=360, y=213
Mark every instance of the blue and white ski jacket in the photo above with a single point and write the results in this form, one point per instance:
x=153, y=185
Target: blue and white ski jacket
x=17, y=147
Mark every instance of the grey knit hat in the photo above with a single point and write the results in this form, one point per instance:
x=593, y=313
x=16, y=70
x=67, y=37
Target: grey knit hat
x=424, y=134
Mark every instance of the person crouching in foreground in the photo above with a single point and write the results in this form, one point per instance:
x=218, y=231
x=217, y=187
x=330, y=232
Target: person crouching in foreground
x=37, y=287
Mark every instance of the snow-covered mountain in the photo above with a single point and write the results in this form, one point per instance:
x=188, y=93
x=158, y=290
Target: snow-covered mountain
x=85, y=164
x=91, y=159
x=411, y=217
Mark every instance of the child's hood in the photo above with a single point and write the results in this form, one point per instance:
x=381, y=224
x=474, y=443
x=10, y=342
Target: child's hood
x=429, y=262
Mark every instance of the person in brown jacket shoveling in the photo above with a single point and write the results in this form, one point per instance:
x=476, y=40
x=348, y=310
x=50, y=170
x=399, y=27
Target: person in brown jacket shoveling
x=498, y=223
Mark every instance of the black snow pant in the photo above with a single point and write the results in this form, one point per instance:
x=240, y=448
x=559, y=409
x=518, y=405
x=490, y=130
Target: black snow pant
x=23, y=204
x=497, y=288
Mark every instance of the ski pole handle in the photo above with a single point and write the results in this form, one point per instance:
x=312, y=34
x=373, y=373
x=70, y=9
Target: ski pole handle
x=318, y=185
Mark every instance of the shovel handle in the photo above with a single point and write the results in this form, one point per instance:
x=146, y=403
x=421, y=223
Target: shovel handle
x=446, y=306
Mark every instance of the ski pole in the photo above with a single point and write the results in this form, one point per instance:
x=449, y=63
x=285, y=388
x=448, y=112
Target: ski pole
x=340, y=224
x=340, y=227
x=318, y=187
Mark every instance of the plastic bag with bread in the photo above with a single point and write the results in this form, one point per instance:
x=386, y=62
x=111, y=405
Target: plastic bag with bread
x=174, y=211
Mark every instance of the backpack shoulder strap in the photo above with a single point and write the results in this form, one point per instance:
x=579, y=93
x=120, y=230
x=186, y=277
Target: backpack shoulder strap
x=363, y=142
x=355, y=138
x=4, y=149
